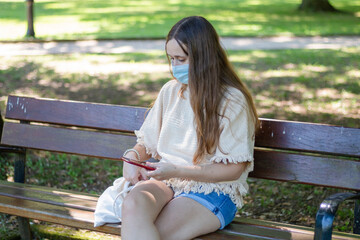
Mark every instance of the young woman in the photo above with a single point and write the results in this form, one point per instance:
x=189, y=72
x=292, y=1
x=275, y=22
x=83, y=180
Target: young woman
x=201, y=128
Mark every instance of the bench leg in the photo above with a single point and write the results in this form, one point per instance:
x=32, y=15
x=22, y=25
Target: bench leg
x=24, y=228
x=357, y=217
x=19, y=176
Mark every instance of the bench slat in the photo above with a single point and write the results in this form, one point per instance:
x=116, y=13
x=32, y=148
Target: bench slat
x=316, y=138
x=52, y=213
x=106, y=145
x=50, y=190
x=262, y=229
x=88, y=143
x=72, y=201
x=272, y=134
x=54, y=198
x=74, y=113
x=344, y=174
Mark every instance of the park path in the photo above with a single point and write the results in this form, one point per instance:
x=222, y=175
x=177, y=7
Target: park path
x=125, y=46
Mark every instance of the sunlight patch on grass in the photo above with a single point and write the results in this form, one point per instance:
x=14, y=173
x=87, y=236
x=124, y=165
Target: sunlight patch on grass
x=240, y=58
x=12, y=29
x=73, y=26
x=355, y=73
x=111, y=19
x=280, y=73
x=318, y=69
x=58, y=5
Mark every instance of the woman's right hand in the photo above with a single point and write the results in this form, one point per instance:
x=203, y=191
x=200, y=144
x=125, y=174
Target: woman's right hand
x=133, y=173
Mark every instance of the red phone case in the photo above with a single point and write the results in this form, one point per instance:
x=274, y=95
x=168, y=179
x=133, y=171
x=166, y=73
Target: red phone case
x=139, y=164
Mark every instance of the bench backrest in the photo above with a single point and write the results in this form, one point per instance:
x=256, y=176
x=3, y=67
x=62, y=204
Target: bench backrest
x=287, y=151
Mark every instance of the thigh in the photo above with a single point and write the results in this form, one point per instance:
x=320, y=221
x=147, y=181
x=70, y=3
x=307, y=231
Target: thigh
x=148, y=198
x=184, y=218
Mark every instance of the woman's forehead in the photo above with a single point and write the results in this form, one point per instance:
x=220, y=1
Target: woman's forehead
x=173, y=49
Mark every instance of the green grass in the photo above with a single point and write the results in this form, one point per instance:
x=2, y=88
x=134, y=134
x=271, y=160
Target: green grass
x=74, y=19
x=301, y=85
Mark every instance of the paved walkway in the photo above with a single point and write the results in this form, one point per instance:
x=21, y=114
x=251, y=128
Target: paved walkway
x=123, y=46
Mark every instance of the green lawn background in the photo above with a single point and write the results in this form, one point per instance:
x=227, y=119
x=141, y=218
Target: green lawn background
x=94, y=19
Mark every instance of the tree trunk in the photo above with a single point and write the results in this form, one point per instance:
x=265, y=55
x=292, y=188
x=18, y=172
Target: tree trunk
x=30, y=18
x=316, y=6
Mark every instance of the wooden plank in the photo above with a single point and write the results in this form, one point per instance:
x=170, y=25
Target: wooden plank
x=268, y=165
x=256, y=227
x=88, y=143
x=50, y=190
x=54, y=214
x=272, y=134
x=239, y=229
x=74, y=113
x=330, y=172
x=56, y=197
x=309, y=137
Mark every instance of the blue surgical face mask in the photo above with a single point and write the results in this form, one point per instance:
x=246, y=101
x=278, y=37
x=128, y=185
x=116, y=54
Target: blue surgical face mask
x=181, y=73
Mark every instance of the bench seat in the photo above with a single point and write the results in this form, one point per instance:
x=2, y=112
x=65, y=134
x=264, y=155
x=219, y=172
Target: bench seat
x=65, y=206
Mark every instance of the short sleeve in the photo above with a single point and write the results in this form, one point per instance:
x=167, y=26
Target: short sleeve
x=236, y=142
x=148, y=134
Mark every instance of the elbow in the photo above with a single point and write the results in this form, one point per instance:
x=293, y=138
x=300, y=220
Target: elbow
x=237, y=170
x=235, y=176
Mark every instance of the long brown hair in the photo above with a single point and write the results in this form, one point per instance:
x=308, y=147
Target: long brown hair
x=210, y=74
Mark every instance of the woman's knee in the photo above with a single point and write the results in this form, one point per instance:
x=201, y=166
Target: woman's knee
x=145, y=197
x=135, y=201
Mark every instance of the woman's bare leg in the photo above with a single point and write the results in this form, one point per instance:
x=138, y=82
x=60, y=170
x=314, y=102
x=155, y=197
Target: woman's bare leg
x=184, y=218
x=140, y=209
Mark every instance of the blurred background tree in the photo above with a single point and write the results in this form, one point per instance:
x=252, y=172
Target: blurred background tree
x=30, y=18
x=317, y=6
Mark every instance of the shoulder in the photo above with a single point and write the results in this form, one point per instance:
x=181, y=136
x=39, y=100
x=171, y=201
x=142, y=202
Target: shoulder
x=170, y=88
x=171, y=85
x=234, y=100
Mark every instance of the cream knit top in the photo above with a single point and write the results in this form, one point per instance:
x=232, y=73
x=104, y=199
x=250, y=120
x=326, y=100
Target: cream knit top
x=168, y=134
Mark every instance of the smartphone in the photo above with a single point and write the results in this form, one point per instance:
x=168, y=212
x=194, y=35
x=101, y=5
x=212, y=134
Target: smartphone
x=137, y=163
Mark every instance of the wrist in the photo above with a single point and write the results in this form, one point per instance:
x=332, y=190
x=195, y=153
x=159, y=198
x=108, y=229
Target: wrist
x=131, y=155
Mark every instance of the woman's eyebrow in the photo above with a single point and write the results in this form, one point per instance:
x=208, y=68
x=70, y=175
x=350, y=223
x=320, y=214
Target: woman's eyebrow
x=177, y=56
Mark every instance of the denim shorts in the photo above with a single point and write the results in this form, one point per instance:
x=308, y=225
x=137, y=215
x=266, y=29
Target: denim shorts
x=219, y=204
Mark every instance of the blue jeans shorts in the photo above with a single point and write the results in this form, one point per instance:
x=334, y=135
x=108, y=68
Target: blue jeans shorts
x=221, y=205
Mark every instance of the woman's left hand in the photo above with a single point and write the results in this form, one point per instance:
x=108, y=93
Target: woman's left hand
x=163, y=170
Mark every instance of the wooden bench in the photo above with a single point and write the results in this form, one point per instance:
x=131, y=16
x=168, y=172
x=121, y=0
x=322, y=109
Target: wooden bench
x=285, y=151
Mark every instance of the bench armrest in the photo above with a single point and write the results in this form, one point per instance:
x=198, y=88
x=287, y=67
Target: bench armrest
x=326, y=213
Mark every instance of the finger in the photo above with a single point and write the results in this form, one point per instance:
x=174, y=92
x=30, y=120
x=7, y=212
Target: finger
x=143, y=174
x=153, y=174
x=150, y=174
x=134, y=181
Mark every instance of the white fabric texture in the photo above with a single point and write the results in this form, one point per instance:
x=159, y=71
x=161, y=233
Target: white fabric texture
x=108, y=207
x=168, y=134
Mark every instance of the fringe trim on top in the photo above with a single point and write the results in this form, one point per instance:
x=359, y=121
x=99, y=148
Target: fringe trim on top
x=235, y=190
x=149, y=150
x=236, y=159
